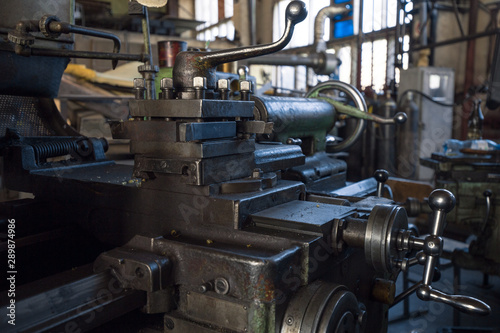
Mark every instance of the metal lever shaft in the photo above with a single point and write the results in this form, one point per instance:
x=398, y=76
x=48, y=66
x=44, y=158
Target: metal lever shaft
x=399, y=118
x=442, y=202
x=465, y=304
x=191, y=64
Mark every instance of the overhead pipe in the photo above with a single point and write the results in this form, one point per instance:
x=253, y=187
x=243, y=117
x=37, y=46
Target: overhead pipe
x=319, y=23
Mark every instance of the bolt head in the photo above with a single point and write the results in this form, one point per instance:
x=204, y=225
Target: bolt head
x=139, y=83
x=167, y=83
x=223, y=84
x=200, y=82
x=245, y=85
x=441, y=199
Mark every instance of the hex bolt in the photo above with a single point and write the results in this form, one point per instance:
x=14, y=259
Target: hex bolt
x=257, y=173
x=200, y=85
x=223, y=88
x=167, y=88
x=221, y=286
x=245, y=90
x=139, y=88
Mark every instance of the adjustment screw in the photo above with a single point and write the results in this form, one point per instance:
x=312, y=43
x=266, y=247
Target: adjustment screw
x=221, y=286
x=223, y=84
x=223, y=88
x=245, y=90
x=246, y=85
x=257, y=173
x=167, y=88
x=289, y=320
x=167, y=83
x=200, y=82
x=200, y=85
x=139, y=88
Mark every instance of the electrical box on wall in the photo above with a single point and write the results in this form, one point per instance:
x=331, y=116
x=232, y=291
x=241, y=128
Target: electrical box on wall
x=435, y=121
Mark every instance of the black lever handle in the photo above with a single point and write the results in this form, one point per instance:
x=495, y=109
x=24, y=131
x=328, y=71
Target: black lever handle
x=191, y=64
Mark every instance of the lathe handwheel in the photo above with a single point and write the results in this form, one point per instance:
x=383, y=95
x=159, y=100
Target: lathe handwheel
x=323, y=307
x=359, y=102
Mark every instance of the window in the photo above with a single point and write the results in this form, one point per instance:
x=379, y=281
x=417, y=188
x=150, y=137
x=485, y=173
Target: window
x=217, y=15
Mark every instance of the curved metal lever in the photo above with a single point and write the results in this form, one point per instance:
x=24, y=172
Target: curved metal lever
x=52, y=27
x=441, y=202
x=381, y=177
x=465, y=304
x=399, y=118
x=191, y=64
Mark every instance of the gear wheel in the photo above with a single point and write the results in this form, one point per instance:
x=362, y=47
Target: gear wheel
x=20, y=38
x=44, y=26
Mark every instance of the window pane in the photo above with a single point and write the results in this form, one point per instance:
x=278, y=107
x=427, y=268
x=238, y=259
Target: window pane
x=368, y=15
x=377, y=15
x=380, y=59
x=345, y=56
x=343, y=29
x=392, y=7
x=228, y=8
x=366, y=64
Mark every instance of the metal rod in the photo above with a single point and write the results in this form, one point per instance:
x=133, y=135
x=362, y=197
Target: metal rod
x=84, y=54
x=455, y=9
x=406, y=293
x=147, y=40
x=456, y=40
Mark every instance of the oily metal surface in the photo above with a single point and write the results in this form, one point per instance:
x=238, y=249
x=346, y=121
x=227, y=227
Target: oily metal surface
x=193, y=108
x=303, y=216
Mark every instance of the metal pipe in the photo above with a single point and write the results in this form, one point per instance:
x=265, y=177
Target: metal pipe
x=77, y=54
x=319, y=23
x=457, y=40
x=470, y=59
x=146, y=36
x=322, y=63
x=423, y=19
x=455, y=9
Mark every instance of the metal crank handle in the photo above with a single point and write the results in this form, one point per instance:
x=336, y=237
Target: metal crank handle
x=191, y=64
x=465, y=304
x=442, y=202
x=399, y=118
